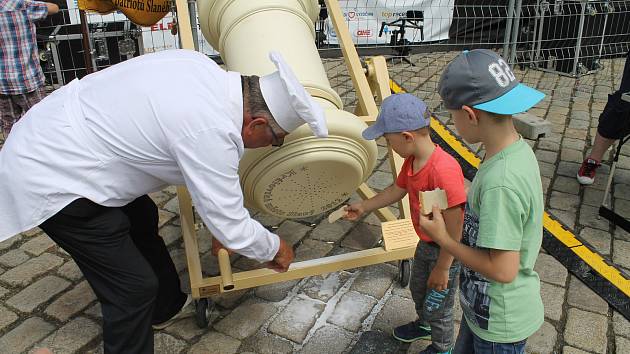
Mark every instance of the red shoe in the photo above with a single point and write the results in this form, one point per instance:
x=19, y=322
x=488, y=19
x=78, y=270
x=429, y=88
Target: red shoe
x=586, y=174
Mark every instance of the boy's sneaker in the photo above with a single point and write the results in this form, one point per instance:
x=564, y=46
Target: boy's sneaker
x=411, y=332
x=586, y=174
x=431, y=350
x=188, y=310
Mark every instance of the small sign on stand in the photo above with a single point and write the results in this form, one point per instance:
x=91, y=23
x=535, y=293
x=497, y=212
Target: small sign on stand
x=399, y=234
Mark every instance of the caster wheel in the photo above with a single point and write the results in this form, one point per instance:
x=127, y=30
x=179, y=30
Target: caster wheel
x=404, y=272
x=202, y=309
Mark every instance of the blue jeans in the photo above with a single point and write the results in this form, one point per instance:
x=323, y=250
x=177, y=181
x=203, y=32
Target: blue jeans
x=469, y=343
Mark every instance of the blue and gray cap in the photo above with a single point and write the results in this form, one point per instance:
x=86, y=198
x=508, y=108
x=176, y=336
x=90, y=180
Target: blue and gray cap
x=481, y=79
x=399, y=113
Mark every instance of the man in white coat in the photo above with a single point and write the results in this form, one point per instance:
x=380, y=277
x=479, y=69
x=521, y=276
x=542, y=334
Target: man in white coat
x=81, y=163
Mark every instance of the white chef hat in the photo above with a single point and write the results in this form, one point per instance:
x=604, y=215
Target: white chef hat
x=288, y=101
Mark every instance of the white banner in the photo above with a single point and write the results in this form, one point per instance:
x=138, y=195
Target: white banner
x=365, y=18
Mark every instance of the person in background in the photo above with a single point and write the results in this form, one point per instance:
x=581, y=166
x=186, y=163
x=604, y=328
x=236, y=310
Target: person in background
x=21, y=76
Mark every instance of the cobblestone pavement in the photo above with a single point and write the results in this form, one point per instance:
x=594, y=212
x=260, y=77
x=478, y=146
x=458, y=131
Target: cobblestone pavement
x=45, y=301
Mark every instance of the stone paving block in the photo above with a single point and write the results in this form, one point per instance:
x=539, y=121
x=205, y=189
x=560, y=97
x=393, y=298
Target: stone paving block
x=3, y=291
x=531, y=126
x=621, y=234
x=553, y=299
x=577, y=114
x=324, y=287
x=10, y=242
x=579, y=124
x=164, y=217
x=328, y=339
x=375, y=280
x=312, y=249
x=546, y=182
x=621, y=253
x=334, y=232
x=27, y=271
x=263, y=343
x=380, y=180
x=550, y=270
x=179, y=259
x=27, y=333
x=71, y=302
x=575, y=133
x=215, y=343
x=622, y=207
x=566, y=185
x=548, y=145
x=564, y=201
x=571, y=155
x=621, y=326
x=547, y=169
x=363, y=236
x=404, y=292
x=582, y=297
x=187, y=328
x=172, y=206
x=165, y=343
x=37, y=293
x=70, y=270
x=574, y=144
x=570, y=350
x=586, y=330
x=297, y=318
x=543, y=341
x=7, y=317
x=374, y=342
x=94, y=311
x=592, y=197
x=351, y=310
x=246, y=319
x=599, y=239
x=160, y=197
x=565, y=217
x=38, y=245
x=396, y=311
x=275, y=292
x=14, y=258
x=547, y=156
x=622, y=191
x=292, y=232
x=622, y=344
x=556, y=118
x=589, y=217
x=231, y=299
x=170, y=234
x=73, y=336
x=32, y=232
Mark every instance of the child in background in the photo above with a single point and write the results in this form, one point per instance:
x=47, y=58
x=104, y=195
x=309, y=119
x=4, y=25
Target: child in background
x=404, y=121
x=499, y=289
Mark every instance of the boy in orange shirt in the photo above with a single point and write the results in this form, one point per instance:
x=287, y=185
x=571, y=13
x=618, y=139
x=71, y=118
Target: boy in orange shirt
x=404, y=122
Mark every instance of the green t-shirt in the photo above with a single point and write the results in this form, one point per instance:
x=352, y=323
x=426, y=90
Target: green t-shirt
x=505, y=212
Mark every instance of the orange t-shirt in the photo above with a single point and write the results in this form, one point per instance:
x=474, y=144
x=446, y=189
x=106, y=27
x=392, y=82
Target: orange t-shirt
x=441, y=171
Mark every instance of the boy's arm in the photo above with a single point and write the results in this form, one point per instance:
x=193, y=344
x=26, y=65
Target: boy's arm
x=498, y=265
x=387, y=197
x=454, y=220
x=52, y=8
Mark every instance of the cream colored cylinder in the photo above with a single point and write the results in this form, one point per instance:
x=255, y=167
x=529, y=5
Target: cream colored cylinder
x=307, y=175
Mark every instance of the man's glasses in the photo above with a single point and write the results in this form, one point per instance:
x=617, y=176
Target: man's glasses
x=276, y=141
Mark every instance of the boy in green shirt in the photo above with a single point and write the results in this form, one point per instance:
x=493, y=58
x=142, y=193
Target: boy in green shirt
x=499, y=289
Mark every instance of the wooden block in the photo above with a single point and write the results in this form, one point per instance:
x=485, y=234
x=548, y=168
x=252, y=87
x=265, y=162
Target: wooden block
x=399, y=234
x=430, y=198
x=337, y=214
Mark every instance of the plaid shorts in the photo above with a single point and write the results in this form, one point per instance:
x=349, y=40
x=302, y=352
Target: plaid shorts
x=13, y=107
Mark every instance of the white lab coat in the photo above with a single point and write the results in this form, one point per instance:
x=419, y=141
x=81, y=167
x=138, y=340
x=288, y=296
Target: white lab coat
x=169, y=118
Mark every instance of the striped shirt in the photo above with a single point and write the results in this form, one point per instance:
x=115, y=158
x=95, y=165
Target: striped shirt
x=19, y=61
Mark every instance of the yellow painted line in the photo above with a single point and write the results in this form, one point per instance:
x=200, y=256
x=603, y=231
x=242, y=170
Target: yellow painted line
x=565, y=236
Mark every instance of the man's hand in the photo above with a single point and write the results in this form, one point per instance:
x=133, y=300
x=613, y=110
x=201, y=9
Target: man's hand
x=433, y=225
x=216, y=246
x=283, y=258
x=438, y=279
x=354, y=211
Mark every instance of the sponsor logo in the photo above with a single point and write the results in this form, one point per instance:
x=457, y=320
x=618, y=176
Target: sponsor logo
x=388, y=14
x=364, y=32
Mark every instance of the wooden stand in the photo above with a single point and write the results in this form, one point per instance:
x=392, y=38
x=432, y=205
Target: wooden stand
x=368, y=82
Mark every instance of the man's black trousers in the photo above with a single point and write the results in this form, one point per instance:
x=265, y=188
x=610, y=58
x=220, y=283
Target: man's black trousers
x=127, y=264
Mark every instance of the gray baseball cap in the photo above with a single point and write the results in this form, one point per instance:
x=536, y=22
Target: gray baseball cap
x=481, y=79
x=399, y=113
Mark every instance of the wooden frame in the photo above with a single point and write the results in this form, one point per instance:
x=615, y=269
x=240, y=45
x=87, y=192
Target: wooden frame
x=368, y=82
